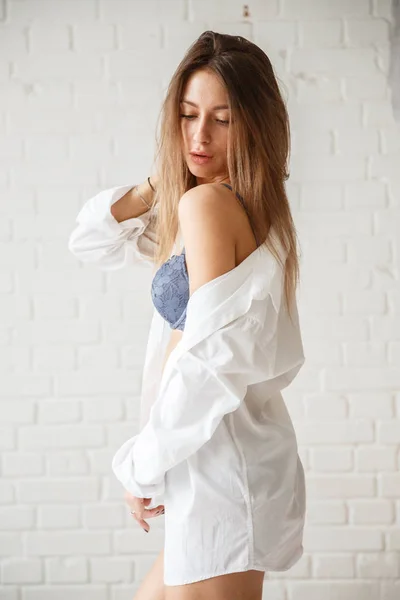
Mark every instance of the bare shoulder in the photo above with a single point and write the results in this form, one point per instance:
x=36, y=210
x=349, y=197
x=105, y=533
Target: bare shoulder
x=206, y=198
x=208, y=231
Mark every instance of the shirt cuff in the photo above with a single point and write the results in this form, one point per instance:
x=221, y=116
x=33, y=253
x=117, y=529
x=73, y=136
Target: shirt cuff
x=124, y=470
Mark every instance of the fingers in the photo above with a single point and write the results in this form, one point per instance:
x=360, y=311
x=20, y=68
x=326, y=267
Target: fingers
x=148, y=514
x=154, y=512
x=136, y=504
x=141, y=522
x=139, y=511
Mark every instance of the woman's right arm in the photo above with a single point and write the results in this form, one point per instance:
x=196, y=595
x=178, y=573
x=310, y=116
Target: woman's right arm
x=114, y=228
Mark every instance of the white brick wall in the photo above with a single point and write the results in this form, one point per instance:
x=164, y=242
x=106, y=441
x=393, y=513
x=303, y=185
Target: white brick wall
x=81, y=84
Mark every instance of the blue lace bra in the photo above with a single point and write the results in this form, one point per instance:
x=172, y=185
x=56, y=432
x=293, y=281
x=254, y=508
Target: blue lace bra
x=170, y=287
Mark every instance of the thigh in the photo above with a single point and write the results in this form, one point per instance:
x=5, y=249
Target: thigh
x=152, y=586
x=235, y=586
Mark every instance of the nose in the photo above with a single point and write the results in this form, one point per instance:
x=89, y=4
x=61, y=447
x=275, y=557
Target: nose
x=201, y=131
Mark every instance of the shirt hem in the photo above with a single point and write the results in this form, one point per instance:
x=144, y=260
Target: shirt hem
x=249, y=567
x=216, y=574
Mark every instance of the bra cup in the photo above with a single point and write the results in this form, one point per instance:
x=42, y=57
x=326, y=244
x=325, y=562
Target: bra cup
x=170, y=291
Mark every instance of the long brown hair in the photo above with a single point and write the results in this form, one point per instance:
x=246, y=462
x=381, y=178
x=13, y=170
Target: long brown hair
x=258, y=145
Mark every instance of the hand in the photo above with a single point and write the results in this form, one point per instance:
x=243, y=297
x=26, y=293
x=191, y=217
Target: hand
x=138, y=506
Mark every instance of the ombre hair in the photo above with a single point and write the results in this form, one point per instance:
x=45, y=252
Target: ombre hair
x=257, y=149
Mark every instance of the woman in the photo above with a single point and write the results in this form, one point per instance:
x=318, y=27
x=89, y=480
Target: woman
x=215, y=435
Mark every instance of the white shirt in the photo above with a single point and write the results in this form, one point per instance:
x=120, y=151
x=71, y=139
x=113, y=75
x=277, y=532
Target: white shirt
x=216, y=440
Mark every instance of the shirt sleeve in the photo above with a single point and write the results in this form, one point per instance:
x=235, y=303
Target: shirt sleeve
x=99, y=238
x=208, y=381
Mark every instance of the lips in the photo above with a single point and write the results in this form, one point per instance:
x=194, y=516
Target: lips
x=201, y=154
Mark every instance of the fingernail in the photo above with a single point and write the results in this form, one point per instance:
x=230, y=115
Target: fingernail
x=146, y=530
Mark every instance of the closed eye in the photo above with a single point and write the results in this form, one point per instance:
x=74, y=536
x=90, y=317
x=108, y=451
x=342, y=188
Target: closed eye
x=193, y=117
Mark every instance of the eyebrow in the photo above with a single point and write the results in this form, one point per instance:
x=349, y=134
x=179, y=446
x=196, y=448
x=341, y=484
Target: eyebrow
x=218, y=107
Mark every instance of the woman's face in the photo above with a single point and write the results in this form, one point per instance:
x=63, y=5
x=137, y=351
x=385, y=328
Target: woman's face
x=204, y=124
